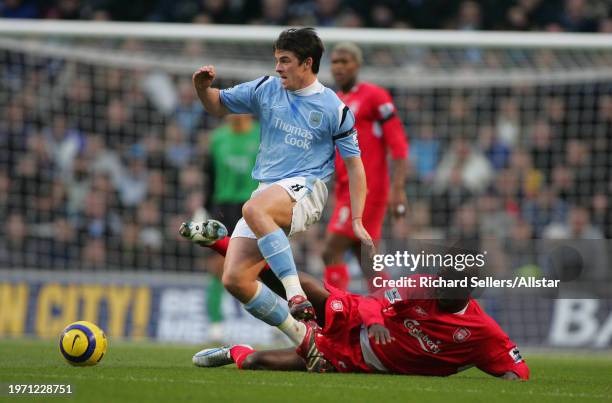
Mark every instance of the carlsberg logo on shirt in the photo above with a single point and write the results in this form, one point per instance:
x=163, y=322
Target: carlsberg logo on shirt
x=296, y=136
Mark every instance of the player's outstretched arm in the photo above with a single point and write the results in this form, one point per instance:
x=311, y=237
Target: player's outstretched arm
x=202, y=81
x=510, y=376
x=358, y=189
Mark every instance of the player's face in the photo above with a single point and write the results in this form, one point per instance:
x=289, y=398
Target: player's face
x=344, y=68
x=292, y=73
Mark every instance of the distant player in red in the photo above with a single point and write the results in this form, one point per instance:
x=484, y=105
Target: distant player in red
x=380, y=133
x=414, y=331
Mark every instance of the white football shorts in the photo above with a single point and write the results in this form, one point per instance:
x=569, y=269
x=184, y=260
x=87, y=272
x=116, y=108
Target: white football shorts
x=307, y=209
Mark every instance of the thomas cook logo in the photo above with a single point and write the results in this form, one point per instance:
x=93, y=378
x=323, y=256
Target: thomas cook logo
x=461, y=335
x=314, y=119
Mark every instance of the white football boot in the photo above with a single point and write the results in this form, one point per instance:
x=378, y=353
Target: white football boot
x=214, y=357
x=203, y=233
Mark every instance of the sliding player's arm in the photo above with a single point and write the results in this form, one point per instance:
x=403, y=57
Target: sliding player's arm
x=500, y=357
x=210, y=97
x=370, y=311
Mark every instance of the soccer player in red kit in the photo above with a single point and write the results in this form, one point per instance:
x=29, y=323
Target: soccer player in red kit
x=417, y=330
x=380, y=132
x=412, y=330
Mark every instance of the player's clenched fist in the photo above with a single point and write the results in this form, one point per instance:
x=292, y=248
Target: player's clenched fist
x=203, y=77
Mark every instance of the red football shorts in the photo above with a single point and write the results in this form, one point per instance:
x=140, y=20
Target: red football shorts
x=373, y=217
x=339, y=339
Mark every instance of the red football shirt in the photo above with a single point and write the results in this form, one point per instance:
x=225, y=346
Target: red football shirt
x=378, y=130
x=429, y=341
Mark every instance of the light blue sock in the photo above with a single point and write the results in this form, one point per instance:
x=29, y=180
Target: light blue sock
x=270, y=308
x=275, y=248
x=267, y=306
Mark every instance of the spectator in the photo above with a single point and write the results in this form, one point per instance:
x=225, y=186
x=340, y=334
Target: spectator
x=575, y=18
x=579, y=161
x=65, y=10
x=474, y=169
x=601, y=212
x=494, y=219
x=18, y=9
x=63, y=144
x=469, y=17
x=531, y=179
x=150, y=237
x=273, y=12
x=545, y=151
x=17, y=249
x=496, y=151
x=188, y=112
x=64, y=251
x=78, y=184
x=507, y=124
x=425, y=152
x=465, y=225
x=133, y=184
x=545, y=209
x=93, y=255
x=104, y=161
x=521, y=251
x=445, y=200
x=586, y=239
x=178, y=149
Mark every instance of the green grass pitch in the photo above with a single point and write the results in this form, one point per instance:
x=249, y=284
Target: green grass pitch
x=143, y=372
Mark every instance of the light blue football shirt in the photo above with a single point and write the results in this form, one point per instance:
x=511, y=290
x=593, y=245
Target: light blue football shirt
x=299, y=129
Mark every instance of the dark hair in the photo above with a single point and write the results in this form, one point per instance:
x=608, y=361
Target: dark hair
x=304, y=43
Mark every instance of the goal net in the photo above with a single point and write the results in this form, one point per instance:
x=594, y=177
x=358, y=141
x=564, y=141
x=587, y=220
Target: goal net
x=103, y=145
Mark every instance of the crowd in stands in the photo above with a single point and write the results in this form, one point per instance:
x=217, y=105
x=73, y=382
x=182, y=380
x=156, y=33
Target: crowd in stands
x=521, y=15
x=97, y=173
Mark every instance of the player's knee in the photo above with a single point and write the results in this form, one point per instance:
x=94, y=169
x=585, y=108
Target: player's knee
x=250, y=211
x=232, y=282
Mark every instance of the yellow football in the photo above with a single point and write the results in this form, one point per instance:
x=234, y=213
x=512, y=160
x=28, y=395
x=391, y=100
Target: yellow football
x=83, y=343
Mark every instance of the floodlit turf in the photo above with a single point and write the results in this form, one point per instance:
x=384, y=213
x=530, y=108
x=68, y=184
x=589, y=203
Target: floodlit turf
x=147, y=372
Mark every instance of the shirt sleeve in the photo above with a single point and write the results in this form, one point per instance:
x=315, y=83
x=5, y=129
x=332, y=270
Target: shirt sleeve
x=370, y=310
x=394, y=135
x=345, y=137
x=501, y=355
x=241, y=98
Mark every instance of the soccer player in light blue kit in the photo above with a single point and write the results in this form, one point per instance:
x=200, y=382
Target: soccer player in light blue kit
x=301, y=124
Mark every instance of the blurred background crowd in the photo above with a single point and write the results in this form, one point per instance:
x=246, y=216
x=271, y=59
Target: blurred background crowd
x=97, y=170
x=522, y=15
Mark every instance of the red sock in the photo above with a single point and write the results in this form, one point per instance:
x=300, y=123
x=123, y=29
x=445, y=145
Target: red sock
x=239, y=353
x=221, y=246
x=380, y=274
x=337, y=275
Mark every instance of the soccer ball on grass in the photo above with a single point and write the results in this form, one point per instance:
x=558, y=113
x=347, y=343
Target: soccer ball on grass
x=83, y=343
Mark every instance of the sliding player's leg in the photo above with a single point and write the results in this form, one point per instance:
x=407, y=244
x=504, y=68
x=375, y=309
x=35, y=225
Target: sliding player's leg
x=274, y=360
x=246, y=357
x=242, y=266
